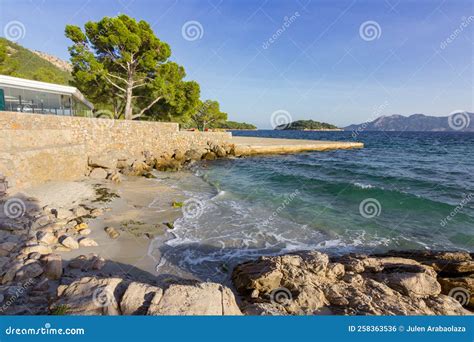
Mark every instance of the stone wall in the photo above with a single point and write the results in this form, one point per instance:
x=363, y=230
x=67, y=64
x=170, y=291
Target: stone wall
x=36, y=148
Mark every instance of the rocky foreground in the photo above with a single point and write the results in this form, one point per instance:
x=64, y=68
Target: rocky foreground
x=396, y=283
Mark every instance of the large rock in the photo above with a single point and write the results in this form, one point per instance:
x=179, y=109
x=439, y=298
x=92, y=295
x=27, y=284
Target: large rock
x=87, y=262
x=137, y=298
x=87, y=242
x=41, y=249
x=112, y=296
x=310, y=283
x=91, y=296
x=53, y=268
x=98, y=173
x=193, y=155
x=112, y=232
x=46, y=238
x=69, y=242
x=201, y=299
x=29, y=271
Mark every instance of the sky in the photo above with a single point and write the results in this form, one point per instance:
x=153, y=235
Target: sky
x=339, y=61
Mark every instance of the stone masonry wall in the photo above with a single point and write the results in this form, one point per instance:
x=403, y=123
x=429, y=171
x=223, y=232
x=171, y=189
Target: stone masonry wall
x=36, y=148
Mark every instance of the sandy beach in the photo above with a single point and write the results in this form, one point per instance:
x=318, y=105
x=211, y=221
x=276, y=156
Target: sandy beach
x=137, y=207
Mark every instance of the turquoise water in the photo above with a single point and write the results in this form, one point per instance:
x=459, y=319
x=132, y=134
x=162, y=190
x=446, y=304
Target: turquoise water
x=394, y=194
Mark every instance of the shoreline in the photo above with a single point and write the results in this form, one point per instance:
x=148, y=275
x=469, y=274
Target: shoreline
x=129, y=257
x=96, y=234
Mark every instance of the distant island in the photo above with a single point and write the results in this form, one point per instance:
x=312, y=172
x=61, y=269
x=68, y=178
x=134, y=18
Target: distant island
x=308, y=125
x=460, y=122
x=237, y=125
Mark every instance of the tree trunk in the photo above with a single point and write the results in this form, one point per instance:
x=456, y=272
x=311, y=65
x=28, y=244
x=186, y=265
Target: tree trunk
x=128, y=102
x=128, y=94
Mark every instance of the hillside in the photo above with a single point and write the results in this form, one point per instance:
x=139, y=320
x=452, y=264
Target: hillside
x=307, y=125
x=23, y=63
x=418, y=122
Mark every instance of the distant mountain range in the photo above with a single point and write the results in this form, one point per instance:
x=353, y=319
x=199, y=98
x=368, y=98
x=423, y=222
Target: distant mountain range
x=459, y=121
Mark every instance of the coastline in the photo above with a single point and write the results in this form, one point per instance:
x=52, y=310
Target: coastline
x=139, y=207
x=69, y=253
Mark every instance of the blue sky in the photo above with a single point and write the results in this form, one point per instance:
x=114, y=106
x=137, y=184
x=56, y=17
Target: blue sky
x=320, y=66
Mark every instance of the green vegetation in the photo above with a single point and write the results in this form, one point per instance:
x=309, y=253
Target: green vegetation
x=17, y=61
x=60, y=310
x=307, y=125
x=237, y=125
x=208, y=115
x=176, y=204
x=120, y=64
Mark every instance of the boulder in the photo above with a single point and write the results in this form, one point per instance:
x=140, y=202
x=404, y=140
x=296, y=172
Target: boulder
x=98, y=173
x=87, y=242
x=201, y=299
x=137, y=298
x=85, y=232
x=68, y=242
x=179, y=156
x=460, y=288
x=29, y=271
x=41, y=249
x=80, y=211
x=193, y=155
x=87, y=262
x=81, y=226
x=209, y=156
x=219, y=151
x=112, y=232
x=91, y=296
x=53, y=268
x=46, y=238
x=310, y=283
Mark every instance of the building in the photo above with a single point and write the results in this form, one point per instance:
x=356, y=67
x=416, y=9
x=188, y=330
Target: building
x=22, y=95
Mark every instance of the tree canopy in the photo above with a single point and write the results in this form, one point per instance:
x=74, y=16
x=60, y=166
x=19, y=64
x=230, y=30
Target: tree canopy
x=208, y=115
x=120, y=64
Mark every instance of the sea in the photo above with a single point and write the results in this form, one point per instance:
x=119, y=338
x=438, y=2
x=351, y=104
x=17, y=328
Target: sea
x=402, y=191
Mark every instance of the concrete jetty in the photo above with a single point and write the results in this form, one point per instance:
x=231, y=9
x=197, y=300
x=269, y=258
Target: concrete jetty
x=245, y=146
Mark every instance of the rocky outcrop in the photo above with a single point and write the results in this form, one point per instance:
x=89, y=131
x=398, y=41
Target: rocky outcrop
x=115, y=296
x=111, y=165
x=314, y=283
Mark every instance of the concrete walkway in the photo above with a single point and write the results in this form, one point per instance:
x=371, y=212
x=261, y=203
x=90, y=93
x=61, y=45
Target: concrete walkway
x=245, y=146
